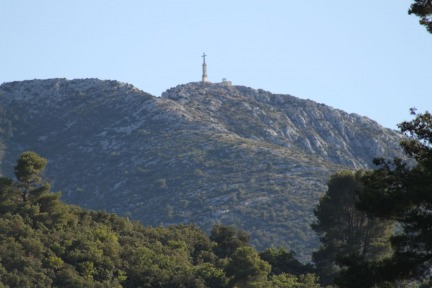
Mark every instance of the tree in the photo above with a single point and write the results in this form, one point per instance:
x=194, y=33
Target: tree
x=228, y=239
x=291, y=281
x=282, y=261
x=247, y=269
x=401, y=192
x=343, y=229
x=8, y=196
x=27, y=171
x=423, y=9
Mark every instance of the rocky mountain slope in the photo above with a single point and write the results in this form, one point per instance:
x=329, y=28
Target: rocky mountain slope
x=202, y=153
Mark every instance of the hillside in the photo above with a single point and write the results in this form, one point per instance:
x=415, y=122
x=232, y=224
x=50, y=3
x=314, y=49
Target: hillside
x=202, y=153
x=46, y=243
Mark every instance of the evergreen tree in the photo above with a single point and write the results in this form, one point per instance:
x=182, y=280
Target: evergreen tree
x=27, y=171
x=343, y=229
x=228, y=239
x=423, y=9
x=282, y=261
x=399, y=192
x=247, y=269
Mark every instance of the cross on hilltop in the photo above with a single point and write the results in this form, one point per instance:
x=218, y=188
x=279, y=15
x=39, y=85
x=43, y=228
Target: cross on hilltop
x=204, y=68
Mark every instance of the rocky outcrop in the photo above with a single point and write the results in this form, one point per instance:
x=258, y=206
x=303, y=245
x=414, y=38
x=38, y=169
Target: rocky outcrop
x=284, y=120
x=202, y=153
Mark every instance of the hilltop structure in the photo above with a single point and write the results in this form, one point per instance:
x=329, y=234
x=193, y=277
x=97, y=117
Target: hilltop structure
x=204, y=68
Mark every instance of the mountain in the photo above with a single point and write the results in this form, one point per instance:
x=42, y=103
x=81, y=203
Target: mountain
x=202, y=153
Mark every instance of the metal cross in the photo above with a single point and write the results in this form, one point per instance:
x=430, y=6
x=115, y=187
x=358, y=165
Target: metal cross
x=204, y=55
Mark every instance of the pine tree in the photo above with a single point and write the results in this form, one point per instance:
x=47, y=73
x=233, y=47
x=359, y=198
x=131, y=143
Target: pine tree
x=423, y=9
x=403, y=193
x=343, y=229
x=27, y=171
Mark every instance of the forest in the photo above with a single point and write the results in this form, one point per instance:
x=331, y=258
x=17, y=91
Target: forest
x=47, y=243
x=374, y=228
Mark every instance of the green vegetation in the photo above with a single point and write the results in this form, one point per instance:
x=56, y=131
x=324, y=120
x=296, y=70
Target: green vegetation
x=402, y=192
x=354, y=219
x=343, y=229
x=27, y=171
x=423, y=9
x=46, y=243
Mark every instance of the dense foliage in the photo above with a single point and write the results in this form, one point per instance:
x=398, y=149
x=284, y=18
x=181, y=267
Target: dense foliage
x=402, y=192
x=343, y=229
x=407, y=194
x=46, y=243
x=423, y=9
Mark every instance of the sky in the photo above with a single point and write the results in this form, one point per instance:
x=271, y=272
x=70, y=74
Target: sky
x=367, y=57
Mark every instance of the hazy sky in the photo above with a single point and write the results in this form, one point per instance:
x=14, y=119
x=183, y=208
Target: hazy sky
x=367, y=57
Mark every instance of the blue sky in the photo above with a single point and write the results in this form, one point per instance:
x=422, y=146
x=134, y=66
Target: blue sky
x=366, y=57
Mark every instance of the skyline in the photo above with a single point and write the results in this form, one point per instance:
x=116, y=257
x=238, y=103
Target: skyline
x=369, y=58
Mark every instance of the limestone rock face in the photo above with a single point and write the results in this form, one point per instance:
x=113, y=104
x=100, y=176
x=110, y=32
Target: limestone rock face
x=329, y=134
x=202, y=153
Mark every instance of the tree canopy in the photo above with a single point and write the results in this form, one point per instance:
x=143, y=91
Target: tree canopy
x=401, y=191
x=27, y=171
x=423, y=9
x=46, y=243
x=343, y=229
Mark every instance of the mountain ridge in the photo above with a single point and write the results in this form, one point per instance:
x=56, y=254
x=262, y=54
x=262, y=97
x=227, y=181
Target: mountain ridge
x=290, y=132
x=201, y=153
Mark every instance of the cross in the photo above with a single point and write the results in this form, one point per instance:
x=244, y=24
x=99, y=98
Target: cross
x=204, y=55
